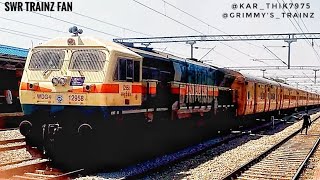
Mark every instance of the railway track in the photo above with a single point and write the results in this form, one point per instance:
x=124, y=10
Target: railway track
x=32, y=167
x=285, y=160
x=39, y=168
x=7, y=129
x=161, y=163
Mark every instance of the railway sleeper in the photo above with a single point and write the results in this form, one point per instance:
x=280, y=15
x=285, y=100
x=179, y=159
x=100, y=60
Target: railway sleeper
x=36, y=175
x=253, y=176
x=272, y=173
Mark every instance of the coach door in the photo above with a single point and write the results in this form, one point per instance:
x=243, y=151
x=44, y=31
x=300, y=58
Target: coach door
x=260, y=97
x=255, y=96
x=266, y=98
x=279, y=97
x=250, y=97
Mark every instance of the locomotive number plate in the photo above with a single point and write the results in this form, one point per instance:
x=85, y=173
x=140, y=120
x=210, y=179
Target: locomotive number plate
x=43, y=98
x=77, y=98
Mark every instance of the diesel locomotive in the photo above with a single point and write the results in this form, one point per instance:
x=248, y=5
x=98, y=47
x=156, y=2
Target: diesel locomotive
x=73, y=87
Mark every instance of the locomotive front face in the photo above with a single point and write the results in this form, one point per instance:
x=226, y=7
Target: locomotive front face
x=68, y=81
x=77, y=72
x=62, y=76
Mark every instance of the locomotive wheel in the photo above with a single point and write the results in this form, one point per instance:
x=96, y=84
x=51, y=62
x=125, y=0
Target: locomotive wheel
x=85, y=130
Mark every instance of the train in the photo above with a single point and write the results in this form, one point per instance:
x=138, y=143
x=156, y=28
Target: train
x=77, y=87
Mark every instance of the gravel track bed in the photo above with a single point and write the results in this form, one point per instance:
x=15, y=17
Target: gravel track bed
x=313, y=167
x=14, y=155
x=28, y=162
x=12, y=144
x=218, y=162
x=11, y=134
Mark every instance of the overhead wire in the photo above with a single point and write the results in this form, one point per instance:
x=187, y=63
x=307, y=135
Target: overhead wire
x=272, y=53
x=19, y=33
x=200, y=20
x=51, y=29
x=167, y=16
x=29, y=24
x=308, y=42
x=29, y=34
x=189, y=27
x=105, y=22
x=72, y=23
x=307, y=31
x=65, y=21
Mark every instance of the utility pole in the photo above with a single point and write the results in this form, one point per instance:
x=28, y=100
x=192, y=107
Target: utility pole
x=315, y=75
x=191, y=44
x=263, y=71
x=289, y=41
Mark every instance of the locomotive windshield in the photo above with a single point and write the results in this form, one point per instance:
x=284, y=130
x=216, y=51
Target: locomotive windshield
x=88, y=60
x=47, y=59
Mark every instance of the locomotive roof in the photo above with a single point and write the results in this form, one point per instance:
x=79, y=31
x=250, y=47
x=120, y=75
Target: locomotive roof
x=151, y=53
x=85, y=41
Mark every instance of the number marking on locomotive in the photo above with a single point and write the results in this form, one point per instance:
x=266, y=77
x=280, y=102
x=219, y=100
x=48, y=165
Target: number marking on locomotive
x=43, y=97
x=76, y=98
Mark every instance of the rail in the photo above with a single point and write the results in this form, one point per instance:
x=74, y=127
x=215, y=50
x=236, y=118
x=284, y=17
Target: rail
x=234, y=174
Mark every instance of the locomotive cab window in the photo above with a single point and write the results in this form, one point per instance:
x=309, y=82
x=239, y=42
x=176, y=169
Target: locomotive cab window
x=47, y=59
x=127, y=70
x=88, y=60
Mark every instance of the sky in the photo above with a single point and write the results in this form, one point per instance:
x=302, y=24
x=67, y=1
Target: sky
x=109, y=19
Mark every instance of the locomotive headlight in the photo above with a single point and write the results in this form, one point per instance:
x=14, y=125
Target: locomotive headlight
x=63, y=81
x=55, y=81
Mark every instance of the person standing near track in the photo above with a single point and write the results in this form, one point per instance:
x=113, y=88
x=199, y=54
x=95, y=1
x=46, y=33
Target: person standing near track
x=306, y=122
